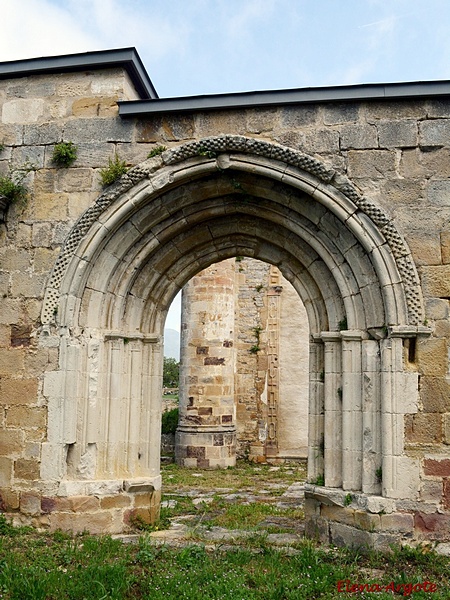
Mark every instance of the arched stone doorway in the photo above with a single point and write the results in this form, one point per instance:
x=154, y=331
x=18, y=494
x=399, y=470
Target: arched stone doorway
x=174, y=215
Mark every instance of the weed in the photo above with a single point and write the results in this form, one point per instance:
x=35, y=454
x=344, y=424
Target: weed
x=343, y=324
x=192, y=556
x=379, y=474
x=239, y=258
x=255, y=349
x=64, y=154
x=156, y=151
x=339, y=393
x=320, y=480
x=5, y=526
x=12, y=186
x=208, y=153
x=2, y=147
x=115, y=169
x=348, y=499
x=259, y=287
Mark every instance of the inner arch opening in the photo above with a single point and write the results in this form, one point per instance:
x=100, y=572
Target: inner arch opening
x=244, y=376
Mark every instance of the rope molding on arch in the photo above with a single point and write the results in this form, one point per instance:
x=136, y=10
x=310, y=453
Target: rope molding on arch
x=210, y=147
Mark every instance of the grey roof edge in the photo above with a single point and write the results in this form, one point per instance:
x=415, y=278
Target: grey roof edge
x=127, y=58
x=346, y=93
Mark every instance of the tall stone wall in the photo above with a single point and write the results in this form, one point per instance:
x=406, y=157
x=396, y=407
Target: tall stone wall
x=349, y=183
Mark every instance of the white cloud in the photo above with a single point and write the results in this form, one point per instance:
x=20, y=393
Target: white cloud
x=244, y=16
x=33, y=28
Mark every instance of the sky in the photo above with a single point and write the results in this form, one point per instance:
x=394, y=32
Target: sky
x=192, y=47
x=195, y=47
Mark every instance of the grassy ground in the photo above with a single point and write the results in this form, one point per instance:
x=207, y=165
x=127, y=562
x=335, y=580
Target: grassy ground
x=59, y=566
x=244, y=497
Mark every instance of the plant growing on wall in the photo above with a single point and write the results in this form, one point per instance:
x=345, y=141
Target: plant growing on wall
x=12, y=187
x=115, y=169
x=156, y=151
x=64, y=154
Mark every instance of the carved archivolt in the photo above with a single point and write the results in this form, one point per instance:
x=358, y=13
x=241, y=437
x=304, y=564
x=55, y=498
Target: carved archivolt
x=210, y=148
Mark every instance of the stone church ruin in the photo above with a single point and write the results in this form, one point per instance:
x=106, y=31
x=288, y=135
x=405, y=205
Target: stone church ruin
x=345, y=190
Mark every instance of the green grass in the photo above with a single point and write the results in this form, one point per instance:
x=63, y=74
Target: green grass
x=245, y=476
x=63, y=567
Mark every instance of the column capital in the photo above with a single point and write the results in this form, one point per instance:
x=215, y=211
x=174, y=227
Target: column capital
x=330, y=336
x=409, y=331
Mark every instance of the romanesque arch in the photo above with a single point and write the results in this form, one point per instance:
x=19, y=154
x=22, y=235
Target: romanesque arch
x=170, y=217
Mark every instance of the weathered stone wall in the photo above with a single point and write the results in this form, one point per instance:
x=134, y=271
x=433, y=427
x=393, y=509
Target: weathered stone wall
x=36, y=113
x=264, y=372
x=396, y=153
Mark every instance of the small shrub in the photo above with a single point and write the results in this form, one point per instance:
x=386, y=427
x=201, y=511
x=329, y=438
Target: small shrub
x=254, y=349
x=12, y=190
x=169, y=421
x=115, y=169
x=156, y=151
x=64, y=154
x=12, y=186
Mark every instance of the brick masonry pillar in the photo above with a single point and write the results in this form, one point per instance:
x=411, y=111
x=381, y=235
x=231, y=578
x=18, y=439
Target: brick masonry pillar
x=206, y=434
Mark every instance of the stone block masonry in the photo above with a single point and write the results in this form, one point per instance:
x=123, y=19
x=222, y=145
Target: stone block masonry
x=347, y=197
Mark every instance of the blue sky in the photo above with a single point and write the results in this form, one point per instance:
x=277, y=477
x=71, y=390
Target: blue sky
x=212, y=46
x=194, y=47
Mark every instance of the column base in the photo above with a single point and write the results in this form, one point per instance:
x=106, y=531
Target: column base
x=95, y=506
x=205, y=447
x=359, y=520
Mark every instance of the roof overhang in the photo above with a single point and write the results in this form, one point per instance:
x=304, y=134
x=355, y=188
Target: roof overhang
x=347, y=93
x=126, y=58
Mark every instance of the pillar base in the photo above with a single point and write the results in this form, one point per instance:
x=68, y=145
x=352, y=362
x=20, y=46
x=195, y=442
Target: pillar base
x=205, y=447
x=96, y=506
x=360, y=520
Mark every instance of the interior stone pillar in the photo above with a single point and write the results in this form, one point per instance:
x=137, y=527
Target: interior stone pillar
x=333, y=408
x=273, y=366
x=351, y=410
x=206, y=434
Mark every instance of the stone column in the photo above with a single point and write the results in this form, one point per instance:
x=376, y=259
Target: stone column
x=206, y=434
x=371, y=475
x=333, y=408
x=316, y=409
x=351, y=410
